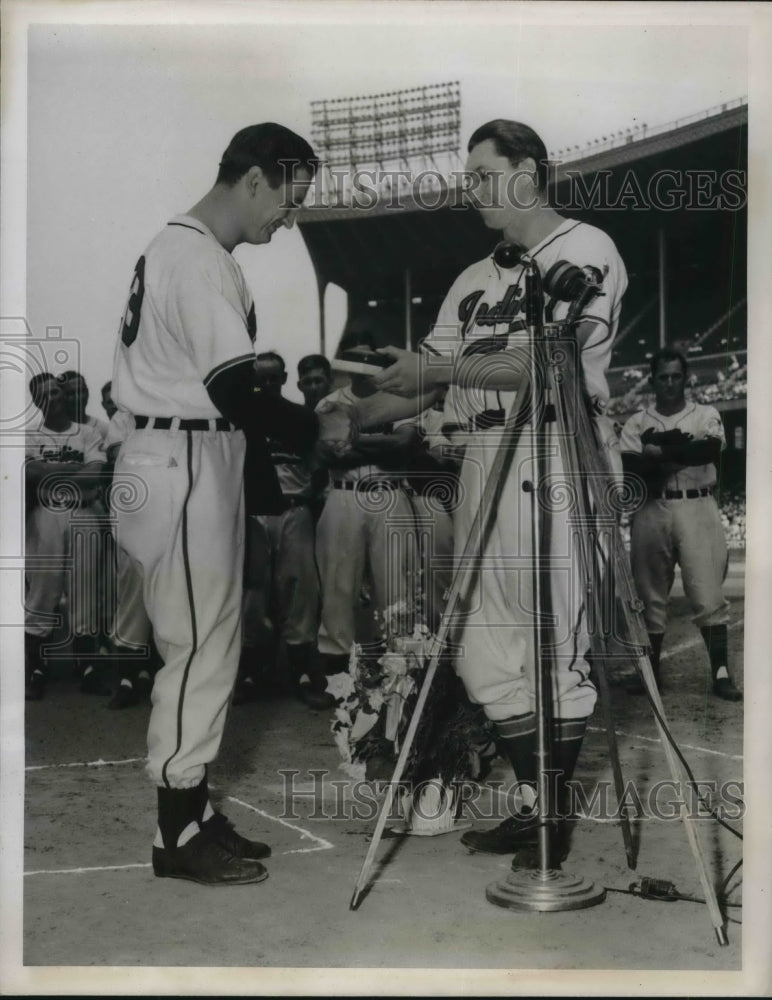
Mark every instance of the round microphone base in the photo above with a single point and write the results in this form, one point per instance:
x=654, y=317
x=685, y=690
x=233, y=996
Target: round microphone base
x=544, y=891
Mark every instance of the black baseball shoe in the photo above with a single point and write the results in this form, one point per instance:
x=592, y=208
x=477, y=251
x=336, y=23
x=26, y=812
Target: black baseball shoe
x=221, y=828
x=124, y=697
x=506, y=838
x=143, y=685
x=204, y=860
x=319, y=701
x=724, y=688
x=527, y=856
x=91, y=682
x=246, y=690
x=36, y=686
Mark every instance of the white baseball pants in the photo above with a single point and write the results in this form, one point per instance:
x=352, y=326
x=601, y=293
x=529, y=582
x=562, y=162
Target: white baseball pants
x=187, y=535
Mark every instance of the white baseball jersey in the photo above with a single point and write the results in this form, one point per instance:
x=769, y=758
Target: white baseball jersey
x=120, y=426
x=696, y=419
x=97, y=424
x=48, y=534
x=486, y=301
x=189, y=317
x=79, y=443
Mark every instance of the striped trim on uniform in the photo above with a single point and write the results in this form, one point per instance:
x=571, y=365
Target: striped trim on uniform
x=191, y=607
x=516, y=726
x=230, y=363
x=185, y=225
x=565, y=730
x=599, y=321
x=426, y=347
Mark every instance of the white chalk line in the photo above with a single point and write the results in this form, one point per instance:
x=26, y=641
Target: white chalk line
x=324, y=845
x=683, y=746
x=88, y=763
x=83, y=871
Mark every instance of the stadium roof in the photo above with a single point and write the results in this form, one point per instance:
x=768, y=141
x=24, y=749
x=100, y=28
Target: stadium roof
x=366, y=251
x=651, y=142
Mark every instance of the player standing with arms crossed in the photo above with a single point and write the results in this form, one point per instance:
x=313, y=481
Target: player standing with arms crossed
x=484, y=313
x=675, y=447
x=184, y=367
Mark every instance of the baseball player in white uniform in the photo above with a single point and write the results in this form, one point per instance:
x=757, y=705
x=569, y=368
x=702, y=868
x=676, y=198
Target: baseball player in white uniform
x=131, y=635
x=483, y=312
x=64, y=462
x=674, y=446
x=367, y=522
x=184, y=368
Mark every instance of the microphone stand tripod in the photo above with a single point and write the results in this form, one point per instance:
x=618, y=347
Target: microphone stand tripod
x=545, y=888
x=613, y=608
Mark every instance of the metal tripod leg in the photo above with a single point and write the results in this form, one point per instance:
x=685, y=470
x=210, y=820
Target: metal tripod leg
x=596, y=474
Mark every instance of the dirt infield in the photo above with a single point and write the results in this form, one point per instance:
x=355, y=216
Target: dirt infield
x=90, y=898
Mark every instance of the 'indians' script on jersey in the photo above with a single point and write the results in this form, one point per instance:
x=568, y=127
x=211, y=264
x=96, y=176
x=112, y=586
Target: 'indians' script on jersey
x=484, y=311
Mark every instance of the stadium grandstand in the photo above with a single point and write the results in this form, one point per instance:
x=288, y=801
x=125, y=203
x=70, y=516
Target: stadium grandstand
x=672, y=197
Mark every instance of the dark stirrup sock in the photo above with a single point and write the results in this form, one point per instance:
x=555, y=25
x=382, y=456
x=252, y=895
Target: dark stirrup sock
x=517, y=742
x=567, y=737
x=716, y=639
x=177, y=809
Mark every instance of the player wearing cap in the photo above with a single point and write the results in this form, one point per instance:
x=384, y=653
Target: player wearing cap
x=184, y=367
x=675, y=446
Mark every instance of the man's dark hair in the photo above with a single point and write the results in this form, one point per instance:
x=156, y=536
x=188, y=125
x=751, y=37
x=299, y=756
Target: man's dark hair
x=107, y=387
x=516, y=141
x=664, y=355
x=313, y=361
x=278, y=151
x=36, y=385
x=69, y=374
x=272, y=356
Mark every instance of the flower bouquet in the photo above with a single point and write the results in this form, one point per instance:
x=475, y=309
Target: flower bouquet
x=377, y=697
